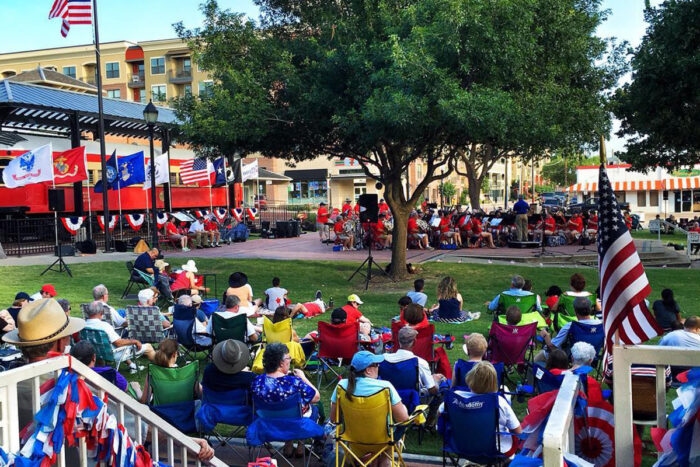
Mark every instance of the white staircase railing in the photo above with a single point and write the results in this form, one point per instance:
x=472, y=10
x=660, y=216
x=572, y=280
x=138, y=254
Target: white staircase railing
x=559, y=437
x=180, y=448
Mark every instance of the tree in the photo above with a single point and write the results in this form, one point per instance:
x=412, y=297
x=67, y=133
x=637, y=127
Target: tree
x=390, y=82
x=448, y=191
x=561, y=169
x=659, y=108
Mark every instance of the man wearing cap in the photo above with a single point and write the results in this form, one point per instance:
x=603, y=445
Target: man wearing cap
x=228, y=368
x=353, y=311
x=322, y=221
x=197, y=232
x=145, y=263
x=383, y=207
x=521, y=208
x=47, y=291
x=428, y=382
x=211, y=227
x=21, y=299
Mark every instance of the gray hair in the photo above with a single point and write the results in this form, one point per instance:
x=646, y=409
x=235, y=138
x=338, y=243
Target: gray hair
x=582, y=306
x=185, y=300
x=582, y=353
x=232, y=301
x=99, y=291
x=273, y=356
x=407, y=336
x=94, y=309
x=518, y=282
x=65, y=304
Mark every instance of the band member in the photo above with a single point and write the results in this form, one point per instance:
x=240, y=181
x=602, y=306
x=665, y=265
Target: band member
x=322, y=222
x=211, y=226
x=347, y=207
x=415, y=232
x=383, y=207
x=574, y=228
x=560, y=221
x=447, y=232
x=547, y=223
x=592, y=224
x=341, y=232
x=380, y=232
x=478, y=231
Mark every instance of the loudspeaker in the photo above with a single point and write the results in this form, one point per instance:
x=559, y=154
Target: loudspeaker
x=665, y=195
x=57, y=200
x=66, y=250
x=295, y=228
x=88, y=247
x=120, y=246
x=369, y=208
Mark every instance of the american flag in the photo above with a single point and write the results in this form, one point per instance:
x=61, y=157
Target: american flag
x=195, y=170
x=72, y=12
x=623, y=282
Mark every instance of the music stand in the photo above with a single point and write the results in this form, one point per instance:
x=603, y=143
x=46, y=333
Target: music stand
x=370, y=262
x=543, y=251
x=584, y=234
x=62, y=266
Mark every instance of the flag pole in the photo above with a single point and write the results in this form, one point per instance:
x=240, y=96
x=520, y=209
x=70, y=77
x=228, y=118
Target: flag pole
x=101, y=128
x=228, y=201
x=88, y=193
x=119, y=197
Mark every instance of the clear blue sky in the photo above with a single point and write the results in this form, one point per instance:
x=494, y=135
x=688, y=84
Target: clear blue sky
x=25, y=24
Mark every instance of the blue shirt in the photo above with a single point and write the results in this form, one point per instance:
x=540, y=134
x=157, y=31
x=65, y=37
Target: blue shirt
x=418, y=298
x=559, y=339
x=366, y=387
x=279, y=389
x=521, y=207
x=515, y=293
x=144, y=262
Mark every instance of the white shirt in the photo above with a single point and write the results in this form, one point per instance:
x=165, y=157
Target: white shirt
x=275, y=297
x=425, y=376
x=681, y=338
x=103, y=326
x=196, y=226
x=417, y=297
x=229, y=314
x=117, y=319
x=36, y=296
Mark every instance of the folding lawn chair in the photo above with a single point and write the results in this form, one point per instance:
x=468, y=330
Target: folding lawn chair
x=423, y=347
x=145, y=324
x=462, y=367
x=277, y=332
x=336, y=343
x=173, y=394
x=184, y=326
x=233, y=408
x=594, y=334
x=526, y=303
x=235, y=328
x=509, y=345
x=106, y=317
x=527, y=318
x=404, y=376
x=104, y=350
x=281, y=422
x=136, y=277
x=565, y=309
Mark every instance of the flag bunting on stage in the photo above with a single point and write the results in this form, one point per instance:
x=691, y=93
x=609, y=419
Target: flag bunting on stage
x=237, y=214
x=135, y=221
x=201, y=212
x=112, y=222
x=161, y=219
x=72, y=224
x=252, y=213
x=35, y=166
x=220, y=214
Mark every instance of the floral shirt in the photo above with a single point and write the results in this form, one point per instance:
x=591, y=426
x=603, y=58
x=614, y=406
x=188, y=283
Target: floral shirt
x=279, y=389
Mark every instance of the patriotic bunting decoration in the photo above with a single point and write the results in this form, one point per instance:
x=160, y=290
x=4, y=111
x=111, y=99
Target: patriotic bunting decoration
x=69, y=412
x=72, y=224
x=237, y=214
x=201, y=212
x=112, y=222
x=161, y=219
x=252, y=213
x=135, y=221
x=220, y=214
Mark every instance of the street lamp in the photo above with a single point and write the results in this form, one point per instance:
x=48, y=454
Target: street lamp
x=150, y=114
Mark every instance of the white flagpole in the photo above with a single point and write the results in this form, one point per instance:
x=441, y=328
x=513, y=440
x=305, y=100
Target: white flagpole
x=228, y=202
x=119, y=196
x=53, y=184
x=88, y=192
x=257, y=185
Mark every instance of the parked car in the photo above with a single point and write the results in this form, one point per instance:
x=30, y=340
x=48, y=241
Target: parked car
x=553, y=204
x=592, y=203
x=261, y=202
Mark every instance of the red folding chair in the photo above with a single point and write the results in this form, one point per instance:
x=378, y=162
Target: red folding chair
x=424, y=342
x=336, y=343
x=509, y=345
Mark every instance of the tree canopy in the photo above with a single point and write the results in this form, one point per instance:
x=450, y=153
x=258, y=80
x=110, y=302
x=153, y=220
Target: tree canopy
x=658, y=109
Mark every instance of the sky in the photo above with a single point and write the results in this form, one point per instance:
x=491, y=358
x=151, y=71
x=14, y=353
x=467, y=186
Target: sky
x=25, y=24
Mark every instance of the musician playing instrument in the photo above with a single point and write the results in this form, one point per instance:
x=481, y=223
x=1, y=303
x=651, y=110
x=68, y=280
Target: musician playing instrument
x=383, y=207
x=547, y=223
x=347, y=207
x=478, y=231
x=574, y=228
x=592, y=224
x=380, y=231
x=448, y=234
x=415, y=232
x=345, y=237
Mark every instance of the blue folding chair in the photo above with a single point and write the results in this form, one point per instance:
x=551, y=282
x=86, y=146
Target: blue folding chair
x=594, y=334
x=405, y=379
x=545, y=381
x=183, y=325
x=469, y=428
x=234, y=408
x=281, y=421
x=462, y=367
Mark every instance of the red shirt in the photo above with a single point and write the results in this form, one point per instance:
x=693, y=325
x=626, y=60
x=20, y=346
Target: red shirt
x=170, y=229
x=576, y=223
x=338, y=227
x=444, y=224
x=383, y=207
x=210, y=226
x=412, y=225
x=347, y=207
x=593, y=222
x=476, y=226
x=353, y=313
x=549, y=224
x=357, y=208
x=322, y=215
x=378, y=228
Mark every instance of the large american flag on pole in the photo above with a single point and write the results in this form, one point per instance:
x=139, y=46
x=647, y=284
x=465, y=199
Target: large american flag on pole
x=195, y=170
x=72, y=12
x=623, y=282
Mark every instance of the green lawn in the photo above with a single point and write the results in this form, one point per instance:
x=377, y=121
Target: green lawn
x=477, y=284
x=675, y=237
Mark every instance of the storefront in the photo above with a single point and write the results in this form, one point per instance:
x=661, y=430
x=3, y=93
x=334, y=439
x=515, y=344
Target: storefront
x=308, y=186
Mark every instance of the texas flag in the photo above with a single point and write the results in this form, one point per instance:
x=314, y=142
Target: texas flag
x=69, y=166
x=35, y=166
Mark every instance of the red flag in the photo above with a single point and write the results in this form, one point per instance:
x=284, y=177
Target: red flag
x=69, y=166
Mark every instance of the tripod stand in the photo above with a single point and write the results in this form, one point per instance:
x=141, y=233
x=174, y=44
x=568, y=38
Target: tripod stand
x=543, y=251
x=62, y=266
x=370, y=263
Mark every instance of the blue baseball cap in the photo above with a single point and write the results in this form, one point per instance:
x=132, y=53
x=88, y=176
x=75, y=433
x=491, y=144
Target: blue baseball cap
x=23, y=296
x=362, y=359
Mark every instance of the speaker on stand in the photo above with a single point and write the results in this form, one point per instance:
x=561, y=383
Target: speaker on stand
x=57, y=203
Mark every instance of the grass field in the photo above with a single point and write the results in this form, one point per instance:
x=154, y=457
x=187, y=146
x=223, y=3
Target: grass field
x=477, y=284
x=676, y=237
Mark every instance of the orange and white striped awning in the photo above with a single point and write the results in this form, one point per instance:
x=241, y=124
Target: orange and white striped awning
x=676, y=183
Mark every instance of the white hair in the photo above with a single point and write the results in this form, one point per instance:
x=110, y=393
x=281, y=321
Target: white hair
x=582, y=353
x=185, y=300
x=99, y=291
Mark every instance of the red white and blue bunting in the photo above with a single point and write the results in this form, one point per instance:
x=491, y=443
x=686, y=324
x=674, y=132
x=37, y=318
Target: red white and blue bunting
x=161, y=219
x=220, y=214
x=237, y=214
x=252, y=213
x=201, y=212
x=72, y=224
x=135, y=221
x=112, y=222
x=70, y=412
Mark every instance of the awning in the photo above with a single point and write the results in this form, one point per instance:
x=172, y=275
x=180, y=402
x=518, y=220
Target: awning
x=306, y=175
x=264, y=174
x=675, y=183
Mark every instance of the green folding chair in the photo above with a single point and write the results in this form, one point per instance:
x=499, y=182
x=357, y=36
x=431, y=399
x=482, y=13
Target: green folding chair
x=565, y=309
x=526, y=303
x=235, y=328
x=527, y=318
x=104, y=350
x=174, y=394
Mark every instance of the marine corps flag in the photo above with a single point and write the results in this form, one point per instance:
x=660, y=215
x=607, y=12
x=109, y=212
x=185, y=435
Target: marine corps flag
x=69, y=166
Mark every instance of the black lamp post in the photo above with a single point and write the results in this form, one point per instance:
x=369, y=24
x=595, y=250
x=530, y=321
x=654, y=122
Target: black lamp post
x=150, y=114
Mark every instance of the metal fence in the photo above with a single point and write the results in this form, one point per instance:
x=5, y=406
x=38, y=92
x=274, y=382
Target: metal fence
x=275, y=214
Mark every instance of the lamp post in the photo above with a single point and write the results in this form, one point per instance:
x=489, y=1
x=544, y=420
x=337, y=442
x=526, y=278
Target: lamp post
x=150, y=114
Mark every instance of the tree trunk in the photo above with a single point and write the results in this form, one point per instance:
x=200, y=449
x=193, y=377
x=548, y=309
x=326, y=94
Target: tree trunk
x=474, y=190
x=400, y=209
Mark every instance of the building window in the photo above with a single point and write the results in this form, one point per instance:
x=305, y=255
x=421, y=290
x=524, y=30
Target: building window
x=187, y=65
x=158, y=93
x=653, y=198
x=419, y=172
x=158, y=66
x=360, y=190
x=696, y=201
x=187, y=90
x=205, y=88
x=113, y=70
x=641, y=199
x=69, y=71
x=114, y=93
x=308, y=191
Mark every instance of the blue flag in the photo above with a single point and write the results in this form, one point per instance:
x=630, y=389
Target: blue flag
x=123, y=171
x=220, y=171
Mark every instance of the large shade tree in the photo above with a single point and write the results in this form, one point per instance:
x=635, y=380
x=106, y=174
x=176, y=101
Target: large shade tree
x=390, y=82
x=660, y=108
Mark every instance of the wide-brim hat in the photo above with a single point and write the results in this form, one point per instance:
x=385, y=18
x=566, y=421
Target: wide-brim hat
x=230, y=356
x=160, y=264
x=237, y=279
x=190, y=266
x=40, y=322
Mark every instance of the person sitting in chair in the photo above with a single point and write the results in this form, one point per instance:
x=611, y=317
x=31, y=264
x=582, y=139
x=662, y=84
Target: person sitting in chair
x=145, y=263
x=428, y=382
x=343, y=235
x=380, y=233
x=198, y=233
x=513, y=315
x=415, y=232
x=582, y=307
x=474, y=347
x=186, y=282
x=578, y=289
x=211, y=227
x=101, y=294
x=229, y=368
x=147, y=298
x=516, y=289
x=172, y=234
x=574, y=228
x=233, y=309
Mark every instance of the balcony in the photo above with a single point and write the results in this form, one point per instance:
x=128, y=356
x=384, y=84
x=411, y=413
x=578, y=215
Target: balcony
x=137, y=80
x=180, y=76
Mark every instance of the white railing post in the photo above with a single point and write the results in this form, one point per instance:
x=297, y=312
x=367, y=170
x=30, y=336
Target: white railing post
x=558, y=435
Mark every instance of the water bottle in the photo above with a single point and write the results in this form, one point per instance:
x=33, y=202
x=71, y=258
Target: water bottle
x=330, y=303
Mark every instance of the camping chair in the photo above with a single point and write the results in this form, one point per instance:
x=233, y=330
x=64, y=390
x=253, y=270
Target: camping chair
x=594, y=334
x=183, y=325
x=644, y=400
x=145, y=324
x=233, y=408
x=469, y=429
x=173, y=394
x=565, y=309
x=235, y=328
x=277, y=332
x=462, y=367
x=423, y=346
x=106, y=317
x=404, y=376
x=136, y=277
x=104, y=350
x=281, y=422
x=509, y=345
x=336, y=343
x=545, y=381
x=365, y=425
x=526, y=303
x=527, y=318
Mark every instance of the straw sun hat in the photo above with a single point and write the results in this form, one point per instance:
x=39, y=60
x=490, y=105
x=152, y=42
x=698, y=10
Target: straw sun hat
x=40, y=322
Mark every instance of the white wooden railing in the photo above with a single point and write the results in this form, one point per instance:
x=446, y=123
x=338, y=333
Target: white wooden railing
x=179, y=446
x=559, y=437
